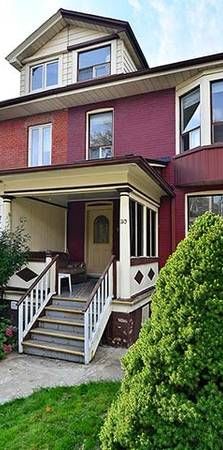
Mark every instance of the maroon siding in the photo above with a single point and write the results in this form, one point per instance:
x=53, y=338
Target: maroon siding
x=202, y=166
x=143, y=124
x=75, y=230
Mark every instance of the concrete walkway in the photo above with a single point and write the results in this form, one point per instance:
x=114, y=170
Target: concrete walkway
x=20, y=375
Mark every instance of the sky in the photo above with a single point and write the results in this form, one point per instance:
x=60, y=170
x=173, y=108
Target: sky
x=167, y=30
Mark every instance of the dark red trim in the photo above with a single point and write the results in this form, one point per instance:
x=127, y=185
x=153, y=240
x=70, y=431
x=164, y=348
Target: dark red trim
x=141, y=260
x=138, y=160
x=100, y=40
x=198, y=149
x=37, y=256
x=146, y=291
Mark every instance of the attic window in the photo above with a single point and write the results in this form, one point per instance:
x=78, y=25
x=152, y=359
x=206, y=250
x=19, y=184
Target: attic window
x=44, y=75
x=94, y=63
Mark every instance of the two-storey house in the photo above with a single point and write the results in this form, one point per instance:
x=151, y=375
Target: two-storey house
x=109, y=161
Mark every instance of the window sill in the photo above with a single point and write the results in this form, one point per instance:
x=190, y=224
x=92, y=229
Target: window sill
x=142, y=260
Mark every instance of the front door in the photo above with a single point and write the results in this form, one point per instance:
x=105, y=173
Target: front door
x=99, y=232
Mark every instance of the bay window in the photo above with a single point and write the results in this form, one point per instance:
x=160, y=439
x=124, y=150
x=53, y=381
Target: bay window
x=199, y=204
x=100, y=138
x=94, y=63
x=40, y=145
x=190, y=120
x=142, y=230
x=217, y=111
x=44, y=75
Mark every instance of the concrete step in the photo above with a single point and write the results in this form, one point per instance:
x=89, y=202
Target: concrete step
x=63, y=313
x=58, y=351
x=68, y=302
x=67, y=325
x=58, y=337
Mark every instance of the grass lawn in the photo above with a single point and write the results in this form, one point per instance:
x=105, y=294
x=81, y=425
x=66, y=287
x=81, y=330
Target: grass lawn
x=63, y=418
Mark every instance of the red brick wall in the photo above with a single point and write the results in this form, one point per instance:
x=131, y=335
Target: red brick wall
x=14, y=138
x=143, y=124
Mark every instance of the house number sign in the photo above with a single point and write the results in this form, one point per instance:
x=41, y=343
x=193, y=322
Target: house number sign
x=123, y=221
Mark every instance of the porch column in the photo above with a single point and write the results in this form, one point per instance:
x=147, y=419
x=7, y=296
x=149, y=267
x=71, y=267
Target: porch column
x=124, y=245
x=6, y=212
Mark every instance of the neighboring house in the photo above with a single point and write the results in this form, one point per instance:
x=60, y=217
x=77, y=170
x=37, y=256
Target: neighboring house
x=103, y=156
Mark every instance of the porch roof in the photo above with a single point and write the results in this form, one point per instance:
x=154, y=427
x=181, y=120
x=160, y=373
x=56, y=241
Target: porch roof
x=86, y=177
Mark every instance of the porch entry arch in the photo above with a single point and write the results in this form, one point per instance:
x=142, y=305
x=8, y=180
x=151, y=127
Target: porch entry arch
x=99, y=237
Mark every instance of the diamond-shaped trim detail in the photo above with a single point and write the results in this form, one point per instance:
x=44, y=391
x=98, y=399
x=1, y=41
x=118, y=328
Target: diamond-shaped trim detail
x=26, y=274
x=139, y=277
x=151, y=274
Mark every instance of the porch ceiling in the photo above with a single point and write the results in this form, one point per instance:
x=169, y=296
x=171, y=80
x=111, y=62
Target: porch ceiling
x=85, y=180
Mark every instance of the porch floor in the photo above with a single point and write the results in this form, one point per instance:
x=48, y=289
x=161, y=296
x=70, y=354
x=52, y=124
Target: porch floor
x=79, y=290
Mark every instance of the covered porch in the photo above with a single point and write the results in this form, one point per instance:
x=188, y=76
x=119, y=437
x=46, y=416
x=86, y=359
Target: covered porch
x=91, y=212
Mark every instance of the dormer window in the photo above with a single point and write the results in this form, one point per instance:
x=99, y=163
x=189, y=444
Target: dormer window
x=94, y=63
x=43, y=76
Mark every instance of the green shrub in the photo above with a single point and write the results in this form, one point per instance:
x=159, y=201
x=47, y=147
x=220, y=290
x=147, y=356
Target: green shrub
x=172, y=392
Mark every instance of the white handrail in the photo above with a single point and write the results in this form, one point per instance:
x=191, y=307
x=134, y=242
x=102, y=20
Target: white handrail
x=35, y=299
x=98, y=310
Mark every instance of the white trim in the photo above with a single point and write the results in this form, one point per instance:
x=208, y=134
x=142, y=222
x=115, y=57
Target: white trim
x=112, y=44
x=203, y=81
x=140, y=198
x=39, y=127
x=43, y=62
x=196, y=194
x=99, y=111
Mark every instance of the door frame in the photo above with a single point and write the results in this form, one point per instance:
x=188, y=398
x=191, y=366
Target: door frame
x=96, y=205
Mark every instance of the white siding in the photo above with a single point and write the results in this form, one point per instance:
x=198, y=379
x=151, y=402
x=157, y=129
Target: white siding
x=128, y=64
x=57, y=46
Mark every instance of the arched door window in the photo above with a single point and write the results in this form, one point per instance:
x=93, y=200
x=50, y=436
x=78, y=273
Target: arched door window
x=101, y=230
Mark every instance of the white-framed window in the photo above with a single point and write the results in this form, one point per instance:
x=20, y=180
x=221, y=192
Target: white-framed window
x=143, y=230
x=190, y=116
x=94, y=63
x=40, y=145
x=100, y=135
x=44, y=75
x=199, y=203
x=199, y=111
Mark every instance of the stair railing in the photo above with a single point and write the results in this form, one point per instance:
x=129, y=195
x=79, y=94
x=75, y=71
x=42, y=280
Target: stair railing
x=98, y=309
x=35, y=299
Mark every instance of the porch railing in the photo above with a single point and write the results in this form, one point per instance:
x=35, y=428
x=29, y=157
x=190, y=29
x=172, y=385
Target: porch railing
x=35, y=299
x=98, y=309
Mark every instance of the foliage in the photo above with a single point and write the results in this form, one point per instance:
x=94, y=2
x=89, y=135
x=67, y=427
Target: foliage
x=172, y=393
x=14, y=252
x=7, y=337
x=62, y=418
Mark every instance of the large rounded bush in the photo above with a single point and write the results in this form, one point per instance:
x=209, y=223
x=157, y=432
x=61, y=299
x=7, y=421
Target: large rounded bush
x=172, y=392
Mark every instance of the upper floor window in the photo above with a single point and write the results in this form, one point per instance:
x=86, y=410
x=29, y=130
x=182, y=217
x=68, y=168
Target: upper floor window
x=100, y=138
x=94, y=63
x=40, y=145
x=190, y=120
x=217, y=111
x=44, y=75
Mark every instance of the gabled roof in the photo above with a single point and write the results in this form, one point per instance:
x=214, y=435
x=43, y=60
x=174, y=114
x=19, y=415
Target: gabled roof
x=64, y=17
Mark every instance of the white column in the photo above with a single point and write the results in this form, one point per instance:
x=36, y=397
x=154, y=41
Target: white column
x=124, y=267
x=205, y=101
x=7, y=213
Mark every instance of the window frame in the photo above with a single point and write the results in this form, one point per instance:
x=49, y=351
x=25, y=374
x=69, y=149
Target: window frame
x=152, y=242
x=39, y=127
x=88, y=115
x=219, y=80
x=44, y=75
x=91, y=49
x=182, y=151
x=196, y=194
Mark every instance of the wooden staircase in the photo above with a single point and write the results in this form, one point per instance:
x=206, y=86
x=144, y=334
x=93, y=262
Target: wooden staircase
x=65, y=327
x=59, y=332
